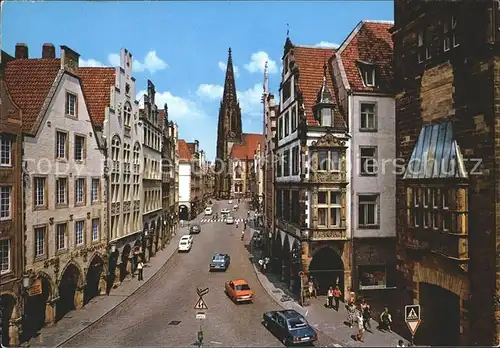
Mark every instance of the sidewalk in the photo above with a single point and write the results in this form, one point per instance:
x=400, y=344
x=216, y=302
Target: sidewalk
x=78, y=320
x=328, y=321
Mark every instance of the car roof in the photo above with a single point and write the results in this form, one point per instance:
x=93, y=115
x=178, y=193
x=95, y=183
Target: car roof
x=219, y=254
x=239, y=281
x=195, y=225
x=290, y=314
x=186, y=236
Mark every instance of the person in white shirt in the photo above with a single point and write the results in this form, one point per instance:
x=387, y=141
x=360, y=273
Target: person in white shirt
x=140, y=267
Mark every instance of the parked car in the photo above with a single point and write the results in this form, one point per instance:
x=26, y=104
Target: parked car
x=208, y=211
x=225, y=211
x=230, y=201
x=185, y=243
x=195, y=229
x=239, y=291
x=290, y=327
x=230, y=220
x=220, y=262
x=236, y=207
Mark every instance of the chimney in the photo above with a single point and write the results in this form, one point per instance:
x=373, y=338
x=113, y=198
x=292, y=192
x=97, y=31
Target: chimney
x=48, y=51
x=21, y=51
x=69, y=59
x=196, y=146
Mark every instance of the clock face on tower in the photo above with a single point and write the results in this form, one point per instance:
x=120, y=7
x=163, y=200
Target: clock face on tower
x=233, y=134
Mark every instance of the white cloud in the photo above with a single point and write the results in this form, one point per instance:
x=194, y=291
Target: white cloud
x=151, y=63
x=210, y=91
x=250, y=100
x=90, y=63
x=178, y=108
x=223, y=67
x=327, y=44
x=258, y=62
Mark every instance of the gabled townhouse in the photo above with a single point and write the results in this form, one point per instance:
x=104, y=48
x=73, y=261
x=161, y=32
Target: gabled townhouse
x=363, y=79
x=63, y=198
x=11, y=212
x=312, y=235
x=196, y=183
x=152, y=178
x=110, y=94
x=185, y=158
x=241, y=162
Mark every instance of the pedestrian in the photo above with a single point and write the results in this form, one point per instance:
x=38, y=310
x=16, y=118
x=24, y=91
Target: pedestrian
x=337, y=294
x=400, y=343
x=182, y=223
x=385, y=320
x=261, y=264
x=366, y=312
x=140, y=267
x=351, y=313
x=361, y=327
x=312, y=289
x=329, y=295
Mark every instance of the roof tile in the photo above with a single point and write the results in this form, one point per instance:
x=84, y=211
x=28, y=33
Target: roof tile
x=29, y=82
x=247, y=148
x=96, y=83
x=184, y=152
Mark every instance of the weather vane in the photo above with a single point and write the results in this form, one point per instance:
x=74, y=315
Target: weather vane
x=287, y=30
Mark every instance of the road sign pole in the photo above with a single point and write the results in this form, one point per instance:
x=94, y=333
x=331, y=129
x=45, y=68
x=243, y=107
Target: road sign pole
x=412, y=340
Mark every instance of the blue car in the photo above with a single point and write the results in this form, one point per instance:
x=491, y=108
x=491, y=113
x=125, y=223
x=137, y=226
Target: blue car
x=220, y=262
x=290, y=327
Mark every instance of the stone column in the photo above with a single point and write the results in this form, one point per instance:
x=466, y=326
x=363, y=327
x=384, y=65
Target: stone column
x=129, y=267
x=50, y=312
x=117, y=275
x=78, y=299
x=14, y=322
x=347, y=283
x=103, y=283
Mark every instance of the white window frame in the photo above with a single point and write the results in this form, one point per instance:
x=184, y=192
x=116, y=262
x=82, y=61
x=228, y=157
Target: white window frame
x=127, y=114
x=363, y=159
x=80, y=191
x=9, y=256
x=416, y=215
x=366, y=72
x=328, y=206
x=5, y=202
x=61, y=190
x=453, y=31
x=446, y=40
x=445, y=195
x=95, y=194
x=435, y=197
x=39, y=183
x=81, y=152
x=5, y=152
x=61, y=151
x=426, y=198
x=420, y=44
x=40, y=247
x=71, y=104
x=366, y=114
x=286, y=123
x=95, y=233
x=293, y=119
x=330, y=167
x=64, y=245
x=79, y=234
x=376, y=205
x=416, y=197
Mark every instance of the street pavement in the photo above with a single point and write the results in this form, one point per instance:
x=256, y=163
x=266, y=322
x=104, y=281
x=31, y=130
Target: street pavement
x=161, y=313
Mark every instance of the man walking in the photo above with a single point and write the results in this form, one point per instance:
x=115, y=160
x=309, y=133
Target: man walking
x=337, y=294
x=140, y=267
x=366, y=311
x=329, y=304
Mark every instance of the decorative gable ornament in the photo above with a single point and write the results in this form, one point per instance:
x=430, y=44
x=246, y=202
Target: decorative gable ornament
x=329, y=140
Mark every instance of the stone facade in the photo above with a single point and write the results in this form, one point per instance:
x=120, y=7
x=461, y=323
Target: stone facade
x=431, y=44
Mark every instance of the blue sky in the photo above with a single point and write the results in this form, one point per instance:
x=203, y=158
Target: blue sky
x=182, y=46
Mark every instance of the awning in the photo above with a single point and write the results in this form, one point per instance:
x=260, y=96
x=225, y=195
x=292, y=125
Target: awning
x=436, y=154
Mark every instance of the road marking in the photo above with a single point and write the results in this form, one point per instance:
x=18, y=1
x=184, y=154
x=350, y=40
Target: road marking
x=337, y=345
x=215, y=342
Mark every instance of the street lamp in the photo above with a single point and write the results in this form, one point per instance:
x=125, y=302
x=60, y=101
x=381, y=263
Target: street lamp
x=113, y=248
x=26, y=286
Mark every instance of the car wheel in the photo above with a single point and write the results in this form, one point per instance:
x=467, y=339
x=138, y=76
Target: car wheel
x=265, y=323
x=285, y=342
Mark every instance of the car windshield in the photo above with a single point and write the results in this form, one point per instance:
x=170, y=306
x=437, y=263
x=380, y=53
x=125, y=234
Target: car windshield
x=218, y=258
x=183, y=242
x=297, y=323
x=242, y=287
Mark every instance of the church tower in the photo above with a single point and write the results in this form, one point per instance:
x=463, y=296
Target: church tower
x=229, y=131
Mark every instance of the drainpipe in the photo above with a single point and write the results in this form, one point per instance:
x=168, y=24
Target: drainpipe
x=352, y=222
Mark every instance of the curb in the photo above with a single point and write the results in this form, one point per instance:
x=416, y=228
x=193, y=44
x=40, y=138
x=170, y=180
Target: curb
x=281, y=305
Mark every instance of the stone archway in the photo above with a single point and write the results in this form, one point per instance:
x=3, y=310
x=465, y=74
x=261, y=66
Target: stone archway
x=94, y=284
x=327, y=268
x=70, y=291
x=286, y=258
x=9, y=313
x=183, y=212
x=38, y=310
x=125, y=267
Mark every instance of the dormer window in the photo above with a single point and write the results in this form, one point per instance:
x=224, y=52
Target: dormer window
x=323, y=109
x=326, y=119
x=368, y=74
x=285, y=65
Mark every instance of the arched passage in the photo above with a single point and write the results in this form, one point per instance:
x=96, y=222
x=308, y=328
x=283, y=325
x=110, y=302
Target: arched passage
x=440, y=313
x=68, y=286
x=276, y=266
x=8, y=304
x=93, y=278
x=287, y=260
x=36, y=308
x=124, y=262
x=155, y=235
x=183, y=212
x=328, y=269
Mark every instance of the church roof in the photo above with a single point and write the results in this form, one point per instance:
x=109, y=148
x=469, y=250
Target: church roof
x=247, y=148
x=184, y=152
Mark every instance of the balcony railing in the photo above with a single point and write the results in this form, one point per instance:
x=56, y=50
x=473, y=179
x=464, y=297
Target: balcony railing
x=328, y=234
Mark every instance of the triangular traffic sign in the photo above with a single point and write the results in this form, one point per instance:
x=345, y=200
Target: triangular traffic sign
x=412, y=315
x=200, y=304
x=413, y=326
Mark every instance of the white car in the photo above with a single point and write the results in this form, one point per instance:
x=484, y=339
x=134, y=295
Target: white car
x=230, y=220
x=225, y=211
x=230, y=202
x=185, y=243
x=208, y=211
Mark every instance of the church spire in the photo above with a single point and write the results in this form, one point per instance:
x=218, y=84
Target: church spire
x=229, y=84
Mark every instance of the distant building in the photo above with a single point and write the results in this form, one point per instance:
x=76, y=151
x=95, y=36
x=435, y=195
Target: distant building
x=242, y=165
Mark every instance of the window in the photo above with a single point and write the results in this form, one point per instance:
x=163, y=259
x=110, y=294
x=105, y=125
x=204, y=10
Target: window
x=61, y=145
x=286, y=205
x=95, y=190
x=420, y=47
x=446, y=40
x=40, y=241
x=39, y=192
x=280, y=128
x=286, y=163
x=80, y=191
x=238, y=172
x=5, y=202
x=368, y=161
x=295, y=160
x=79, y=232
x=329, y=209
x=372, y=277
x=287, y=123
x=435, y=220
x=5, y=256
x=279, y=160
x=127, y=114
x=294, y=119
x=368, y=115
x=79, y=148
x=287, y=91
x=368, y=75
x=70, y=104
x=416, y=197
x=5, y=152
x=434, y=197
x=61, y=230
x=426, y=198
x=279, y=203
x=326, y=117
x=295, y=218
x=285, y=65
x=95, y=230
x=368, y=210
x=328, y=160
x=428, y=40
x=445, y=199
x=417, y=218
x=454, y=39
x=61, y=191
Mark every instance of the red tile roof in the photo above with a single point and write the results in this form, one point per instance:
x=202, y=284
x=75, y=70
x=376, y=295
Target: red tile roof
x=310, y=61
x=96, y=83
x=29, y=82
x=247, y=149
x=369, y=42
x=184, y=153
